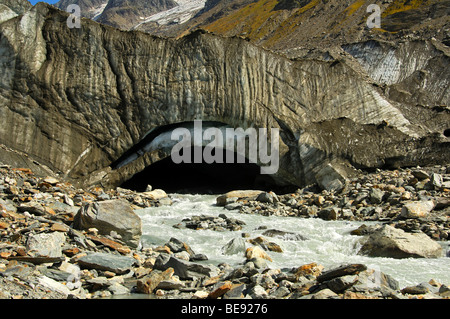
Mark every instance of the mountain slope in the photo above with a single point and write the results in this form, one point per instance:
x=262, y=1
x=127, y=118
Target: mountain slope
x=289, y=24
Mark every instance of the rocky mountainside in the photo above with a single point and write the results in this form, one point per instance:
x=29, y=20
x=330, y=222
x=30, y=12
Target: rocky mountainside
x=77, y=100
x=282, y=24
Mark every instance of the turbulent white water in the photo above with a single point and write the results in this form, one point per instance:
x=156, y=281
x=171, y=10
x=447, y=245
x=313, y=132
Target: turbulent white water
x=328, y=242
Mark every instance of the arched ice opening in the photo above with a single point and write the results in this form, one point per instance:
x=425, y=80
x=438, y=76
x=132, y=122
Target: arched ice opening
x=205, y=158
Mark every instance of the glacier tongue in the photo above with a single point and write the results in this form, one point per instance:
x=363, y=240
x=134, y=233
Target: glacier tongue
x=99, y=10
x=179, y=15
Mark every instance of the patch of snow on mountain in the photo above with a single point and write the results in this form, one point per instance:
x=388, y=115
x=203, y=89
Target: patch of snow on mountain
x=99, y=10
x=179, y=14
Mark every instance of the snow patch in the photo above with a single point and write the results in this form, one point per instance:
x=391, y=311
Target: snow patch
x=98, y=11
x=6, y=13
x=178, y=15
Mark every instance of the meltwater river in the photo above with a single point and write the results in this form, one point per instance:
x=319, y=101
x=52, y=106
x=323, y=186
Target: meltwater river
x=328, y=242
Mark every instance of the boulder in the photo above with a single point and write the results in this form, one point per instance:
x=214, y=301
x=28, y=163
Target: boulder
x=258, y=292
x=111, y=215
x=102, y=261
x=309, y=269
x=50, y=180
x=217, y=223
x=329, y=213
x=267, y=197
x=441, y=203
x=444, y=291
x=259, y=263
x=283, y=235
x=324, y=294
x=234, y=246
x=171, y=284
x=415, y=290
x=220, y=289
x=46, y=244
x=396, y=243
x=374, y=279
x=344, y=270
x=265, y=244
x=177, y=246
x=340, y=284
x=155, y=194
x=331, y=178
x=417, y=209
x=32, y=207
x=236, y=291
x=223, y=200
x=420, y=174
x=184, y=269
x=256, y=252
x=147, y=284
x=436, y=180
x=117, y=289
x=364, y=230
x=376, y=196
x=200, y=294
x=54, y=285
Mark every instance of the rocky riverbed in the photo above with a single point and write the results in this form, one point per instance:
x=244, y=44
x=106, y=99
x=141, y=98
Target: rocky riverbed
x=414, y=200
x=58, y=241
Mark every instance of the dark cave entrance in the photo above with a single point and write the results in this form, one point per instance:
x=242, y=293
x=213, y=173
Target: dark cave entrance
x=447, y=132
x=201, y=178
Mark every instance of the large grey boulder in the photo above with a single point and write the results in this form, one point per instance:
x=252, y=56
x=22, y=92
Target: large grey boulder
x=149, y=283
x=185, y=269
x=54, y=285
x=417, y=209
x=329, y=213
x=331, y=178
x=285, y=235
x=267, y=197
x=102, y=261
x=233, y=196
x=111, y=215
x=46, y=244
x=396, y=243
x=234, y=246
x=376, y=280
x=343, y=270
